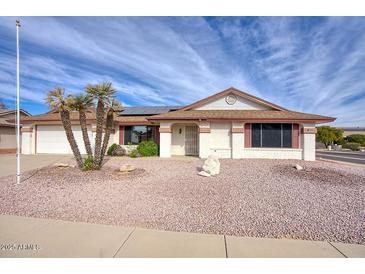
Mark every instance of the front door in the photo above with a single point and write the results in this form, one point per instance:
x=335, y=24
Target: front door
x=191, y=140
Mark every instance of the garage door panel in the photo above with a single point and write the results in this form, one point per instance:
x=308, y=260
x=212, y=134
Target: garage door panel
x=52, y=139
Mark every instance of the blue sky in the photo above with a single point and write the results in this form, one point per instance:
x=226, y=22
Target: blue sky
x=309, y=64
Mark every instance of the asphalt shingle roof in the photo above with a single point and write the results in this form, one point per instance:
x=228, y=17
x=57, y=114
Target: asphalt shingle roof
x=147, y=110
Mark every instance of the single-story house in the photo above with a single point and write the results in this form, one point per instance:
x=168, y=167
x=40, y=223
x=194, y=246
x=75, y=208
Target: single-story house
x=8, y=129
x=230, y=124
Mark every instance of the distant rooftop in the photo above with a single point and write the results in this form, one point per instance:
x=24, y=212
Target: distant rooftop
x=147, y=110
x=4, y=111
x=353, y=128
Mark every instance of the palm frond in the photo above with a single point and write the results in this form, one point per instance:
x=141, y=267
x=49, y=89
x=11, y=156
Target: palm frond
x=81, y=102
x=55, y=98
x=102, y=90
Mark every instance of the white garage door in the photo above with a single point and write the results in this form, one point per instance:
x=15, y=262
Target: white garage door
x=52, y=139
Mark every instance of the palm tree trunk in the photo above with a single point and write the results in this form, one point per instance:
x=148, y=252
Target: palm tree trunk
x=85, y=135
x=99, y=131
x=109, y=125
x=65, y=117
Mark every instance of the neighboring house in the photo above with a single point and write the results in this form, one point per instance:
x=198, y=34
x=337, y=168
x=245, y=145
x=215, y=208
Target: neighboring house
x=8, y=129
x=230, y=124
x=352, y=130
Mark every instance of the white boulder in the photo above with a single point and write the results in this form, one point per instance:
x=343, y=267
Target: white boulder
x=203, y=173
x=298, y=167
x=211, y=165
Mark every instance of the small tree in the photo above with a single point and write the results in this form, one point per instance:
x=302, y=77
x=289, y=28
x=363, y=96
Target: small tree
x=112, y=106
x=2, y=105
x=56, y=100
x=81, y=103
x=328, y=135
x=102, y=93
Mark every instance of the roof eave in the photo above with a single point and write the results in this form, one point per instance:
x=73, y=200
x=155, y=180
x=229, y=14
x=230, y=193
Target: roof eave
x=314, y=120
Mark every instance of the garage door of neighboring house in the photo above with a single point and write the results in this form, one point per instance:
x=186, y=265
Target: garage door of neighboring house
x=52, y=139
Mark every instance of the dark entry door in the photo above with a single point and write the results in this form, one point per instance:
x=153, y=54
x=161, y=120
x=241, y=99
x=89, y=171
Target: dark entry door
x=191, y=140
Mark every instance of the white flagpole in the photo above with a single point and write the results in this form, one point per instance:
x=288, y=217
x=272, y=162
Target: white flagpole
x=17, y=106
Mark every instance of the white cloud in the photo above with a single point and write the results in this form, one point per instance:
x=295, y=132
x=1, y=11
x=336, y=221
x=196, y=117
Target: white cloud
x=312, y=68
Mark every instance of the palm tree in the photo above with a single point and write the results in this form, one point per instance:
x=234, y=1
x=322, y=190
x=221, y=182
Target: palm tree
x=56, y=100
x=102, y=93
x=112, y=106
x=81, y=103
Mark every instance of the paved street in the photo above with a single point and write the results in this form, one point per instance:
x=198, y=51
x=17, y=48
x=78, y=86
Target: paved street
x=342, y=156
x=34, y=237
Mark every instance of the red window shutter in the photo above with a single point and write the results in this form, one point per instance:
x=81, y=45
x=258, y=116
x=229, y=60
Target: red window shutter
x=295, y=136
x=121, y=135
x=247, y=134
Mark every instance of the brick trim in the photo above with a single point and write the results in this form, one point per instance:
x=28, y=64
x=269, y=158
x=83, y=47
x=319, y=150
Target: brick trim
x=204, y=130
x=238, y=130
x=29, y=129
x=121, y=135
x=165, y=130
x=7, y=150
x=295, y=136
x=309, y=130
x=247, y=134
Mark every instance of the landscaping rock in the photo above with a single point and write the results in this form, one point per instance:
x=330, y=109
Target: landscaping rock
x=298, y=167
x=212, y=165
x=126, y=168
x=62, y=165
x=203, y=173
x=119, y=151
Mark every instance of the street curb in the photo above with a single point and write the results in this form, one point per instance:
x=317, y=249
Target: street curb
x=339, y=162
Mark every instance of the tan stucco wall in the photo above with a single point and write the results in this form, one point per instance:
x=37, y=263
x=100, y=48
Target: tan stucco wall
x=7, y=137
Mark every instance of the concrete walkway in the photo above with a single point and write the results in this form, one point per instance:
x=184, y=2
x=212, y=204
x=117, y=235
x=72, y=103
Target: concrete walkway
x=28, y=162
x=33, y=237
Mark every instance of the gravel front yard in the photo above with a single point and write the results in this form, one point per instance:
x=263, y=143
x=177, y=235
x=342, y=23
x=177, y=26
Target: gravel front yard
x=259, y=198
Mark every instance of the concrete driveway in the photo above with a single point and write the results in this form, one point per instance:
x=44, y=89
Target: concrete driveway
x=28, y=162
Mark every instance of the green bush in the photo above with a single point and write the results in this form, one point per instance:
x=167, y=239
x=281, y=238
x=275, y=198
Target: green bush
x=147, y=148
x=111, y=149
x=352, y=146
x=88, y=164
x=341, y=141
x=356, y=138
x=134, y=153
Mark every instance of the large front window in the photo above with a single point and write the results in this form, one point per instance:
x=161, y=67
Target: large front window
x=271, y=135
x=137, y=134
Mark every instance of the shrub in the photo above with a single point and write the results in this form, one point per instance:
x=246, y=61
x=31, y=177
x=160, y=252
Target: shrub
x=341, y=141
x=147, y=148
x=352, y=146
x=134, y=153
x=111, y=149
x=88, y=164
x=356, y=138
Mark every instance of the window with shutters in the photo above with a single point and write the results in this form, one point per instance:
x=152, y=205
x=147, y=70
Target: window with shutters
x=272, y=135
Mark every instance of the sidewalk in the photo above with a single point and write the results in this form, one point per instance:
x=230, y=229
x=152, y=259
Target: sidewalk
x=33, y=237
